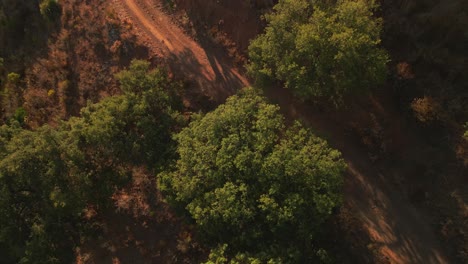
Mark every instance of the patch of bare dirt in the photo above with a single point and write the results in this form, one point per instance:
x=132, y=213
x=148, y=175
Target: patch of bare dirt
x=85, y=49
x=140, y=228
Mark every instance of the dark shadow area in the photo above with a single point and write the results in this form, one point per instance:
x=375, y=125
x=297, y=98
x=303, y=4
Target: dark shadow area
x=224, y=84
x=240, y=20
x=23, y=33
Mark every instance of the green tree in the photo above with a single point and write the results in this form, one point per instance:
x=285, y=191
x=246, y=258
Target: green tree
x=40, y=198
x=252, y=183
x=320, y=50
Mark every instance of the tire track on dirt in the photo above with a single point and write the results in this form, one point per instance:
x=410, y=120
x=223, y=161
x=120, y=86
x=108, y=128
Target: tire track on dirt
x=210, y=70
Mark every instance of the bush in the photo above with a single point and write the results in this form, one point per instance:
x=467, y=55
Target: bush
x=50, y=10
x=320, y=50
x=427, y=109
x=13, y=78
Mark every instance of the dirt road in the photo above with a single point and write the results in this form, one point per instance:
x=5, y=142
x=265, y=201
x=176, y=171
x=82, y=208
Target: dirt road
x=202, y=63
x=400, y=232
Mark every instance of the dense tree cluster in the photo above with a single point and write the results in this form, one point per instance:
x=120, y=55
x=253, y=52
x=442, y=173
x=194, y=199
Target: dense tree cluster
x=243, y=175
x=253, y=183
x=49, y=176
x=320, y=50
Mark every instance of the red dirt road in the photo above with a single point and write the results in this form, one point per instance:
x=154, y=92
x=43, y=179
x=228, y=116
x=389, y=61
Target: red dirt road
x=398, y=230
x=205, y=65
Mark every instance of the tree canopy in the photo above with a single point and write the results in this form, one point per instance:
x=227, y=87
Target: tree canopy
x=49, y=176
x=253, y=183
x=320, y=50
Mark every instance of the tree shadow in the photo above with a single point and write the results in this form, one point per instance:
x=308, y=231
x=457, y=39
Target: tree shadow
x=215, y=81
x=141, y=228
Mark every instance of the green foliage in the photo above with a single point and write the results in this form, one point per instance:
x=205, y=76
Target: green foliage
x=252, y=183
x=320, y=50
x=137, y=79
x=49, y=176
x=20, y=115
x=13, y=78
x=40, y=200
x=218, y=256
x=149, y=112
x=50, y=10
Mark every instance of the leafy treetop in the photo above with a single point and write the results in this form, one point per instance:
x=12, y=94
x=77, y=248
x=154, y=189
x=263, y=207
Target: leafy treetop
x=320, y=50
x=250, y=182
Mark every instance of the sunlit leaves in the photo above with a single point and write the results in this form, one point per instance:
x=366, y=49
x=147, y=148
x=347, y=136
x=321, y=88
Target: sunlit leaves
x=318, y=50
x=250, y=182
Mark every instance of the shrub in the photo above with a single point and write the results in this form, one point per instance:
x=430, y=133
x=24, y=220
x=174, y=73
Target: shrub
x=426, y=109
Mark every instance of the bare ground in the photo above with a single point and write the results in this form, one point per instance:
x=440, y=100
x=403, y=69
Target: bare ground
x=201, y=63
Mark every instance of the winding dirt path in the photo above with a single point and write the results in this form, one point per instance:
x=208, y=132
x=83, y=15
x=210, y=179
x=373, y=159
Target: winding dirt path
x=397, y=228
x=205, y=65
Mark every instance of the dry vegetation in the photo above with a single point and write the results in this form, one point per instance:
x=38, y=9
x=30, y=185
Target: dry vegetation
x=85, y=49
